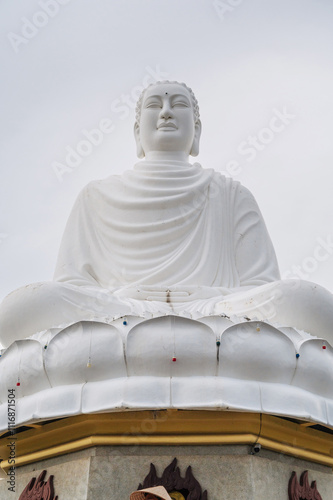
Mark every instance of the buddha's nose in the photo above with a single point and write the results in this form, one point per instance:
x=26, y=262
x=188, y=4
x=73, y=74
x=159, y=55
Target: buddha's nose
x=166, y=112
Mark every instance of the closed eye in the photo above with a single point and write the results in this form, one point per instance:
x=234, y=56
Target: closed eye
x=153, y=105
x=180, y=105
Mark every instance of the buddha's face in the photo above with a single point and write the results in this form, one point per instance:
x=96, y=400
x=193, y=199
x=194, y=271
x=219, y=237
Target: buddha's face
x=167, y=120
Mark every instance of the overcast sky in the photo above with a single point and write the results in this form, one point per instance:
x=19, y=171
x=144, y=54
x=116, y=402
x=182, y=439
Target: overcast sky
x=262, y=73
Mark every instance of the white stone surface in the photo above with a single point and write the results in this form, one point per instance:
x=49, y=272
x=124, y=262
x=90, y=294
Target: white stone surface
x=319, y=362
x=254, y=368
x=152, y=345
x=71, y=351
x=23, y=360
x=255, y=346
x=159, y=271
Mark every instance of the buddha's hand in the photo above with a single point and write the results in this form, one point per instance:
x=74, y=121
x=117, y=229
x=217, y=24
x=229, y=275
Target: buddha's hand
x=172, y=294
x=191, y=293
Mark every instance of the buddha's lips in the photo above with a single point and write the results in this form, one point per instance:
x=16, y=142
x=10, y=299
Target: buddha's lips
x=167, y=125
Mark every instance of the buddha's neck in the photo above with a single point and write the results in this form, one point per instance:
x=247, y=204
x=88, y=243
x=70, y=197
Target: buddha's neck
x=167, y=155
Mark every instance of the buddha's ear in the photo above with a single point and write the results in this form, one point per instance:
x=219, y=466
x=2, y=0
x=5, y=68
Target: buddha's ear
x=139, y=151
x=197, y=133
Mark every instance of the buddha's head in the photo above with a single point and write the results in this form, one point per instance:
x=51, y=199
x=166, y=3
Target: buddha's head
x=167, y=121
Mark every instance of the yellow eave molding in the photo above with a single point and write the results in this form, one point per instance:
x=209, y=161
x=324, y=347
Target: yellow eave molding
x=169, y=427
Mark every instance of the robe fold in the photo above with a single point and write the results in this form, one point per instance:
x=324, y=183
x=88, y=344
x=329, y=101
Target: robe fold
x=166, y=223
x=164, y=238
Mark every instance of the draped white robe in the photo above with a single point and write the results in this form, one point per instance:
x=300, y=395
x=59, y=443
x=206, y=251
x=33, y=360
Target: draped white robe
x=165, y=238
x=166, y=223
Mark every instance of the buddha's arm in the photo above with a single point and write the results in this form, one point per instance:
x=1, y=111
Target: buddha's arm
x=74, y=264
x=255, y=257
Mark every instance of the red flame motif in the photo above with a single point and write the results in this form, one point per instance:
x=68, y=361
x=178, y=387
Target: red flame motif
x=171, y=480
x=302, y=490
x=39, y=490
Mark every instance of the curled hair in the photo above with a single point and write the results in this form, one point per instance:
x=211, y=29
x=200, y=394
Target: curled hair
x=190, y=91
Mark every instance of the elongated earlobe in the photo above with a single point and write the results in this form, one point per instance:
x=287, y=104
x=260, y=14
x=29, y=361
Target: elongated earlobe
x=139, y=150
x=196, y=141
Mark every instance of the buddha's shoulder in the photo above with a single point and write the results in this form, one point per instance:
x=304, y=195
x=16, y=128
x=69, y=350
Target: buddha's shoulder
x=97, y=187
x=232, y=185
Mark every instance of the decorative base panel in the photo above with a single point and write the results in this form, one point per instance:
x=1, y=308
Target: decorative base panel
x=107, y=456
x=226, y=472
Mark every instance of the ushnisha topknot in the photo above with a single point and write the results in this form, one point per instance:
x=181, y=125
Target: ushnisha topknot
x=190, y=91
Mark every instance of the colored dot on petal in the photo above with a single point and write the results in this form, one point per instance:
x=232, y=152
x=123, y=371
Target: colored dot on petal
x=297, y=355
x=218, y=343
x=45, y=346
x=18, y=384
x=324, y=346
x=174, y=359
x=125, y=323
x=88, y=365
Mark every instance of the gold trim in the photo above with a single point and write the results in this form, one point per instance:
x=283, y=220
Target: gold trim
x=169, y=427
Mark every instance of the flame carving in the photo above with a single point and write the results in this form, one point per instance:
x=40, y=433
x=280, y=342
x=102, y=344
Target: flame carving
x=302, y=490
x=39, y=490
x=172, y=481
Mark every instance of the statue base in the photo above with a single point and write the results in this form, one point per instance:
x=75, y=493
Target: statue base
x=106, y=456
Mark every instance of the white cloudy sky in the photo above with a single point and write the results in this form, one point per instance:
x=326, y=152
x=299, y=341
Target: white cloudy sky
x=89, y=59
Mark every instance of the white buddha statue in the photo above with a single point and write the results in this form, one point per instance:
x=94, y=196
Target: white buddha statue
x=166, y=237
